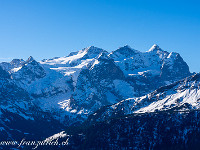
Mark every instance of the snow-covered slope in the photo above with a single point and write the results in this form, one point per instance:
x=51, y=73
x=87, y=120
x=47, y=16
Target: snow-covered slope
x=183, y=95
x=74, y=58
x=15, y=63
x=72, y=64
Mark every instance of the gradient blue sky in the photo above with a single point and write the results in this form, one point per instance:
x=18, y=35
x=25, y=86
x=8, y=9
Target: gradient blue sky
x=49, y=28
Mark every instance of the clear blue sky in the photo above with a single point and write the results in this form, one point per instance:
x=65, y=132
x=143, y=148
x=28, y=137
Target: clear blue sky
x=49, y=28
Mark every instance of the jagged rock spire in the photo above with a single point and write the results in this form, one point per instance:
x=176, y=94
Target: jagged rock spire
x=30, y=59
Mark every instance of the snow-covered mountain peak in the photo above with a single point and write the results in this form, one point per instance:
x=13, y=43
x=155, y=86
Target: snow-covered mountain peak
x=126, y=49
x=30, y=59
x=17, y=62
x=27, y=71
x=123, y=53
x=126, y=46
x=75, y=58
x=92, y=50
x=155, y=47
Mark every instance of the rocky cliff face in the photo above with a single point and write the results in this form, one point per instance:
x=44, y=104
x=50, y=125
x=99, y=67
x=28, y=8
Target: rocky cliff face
x=96, y=83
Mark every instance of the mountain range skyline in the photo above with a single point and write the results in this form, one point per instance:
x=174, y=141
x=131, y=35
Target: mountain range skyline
x=126, y=45
x=52, y=28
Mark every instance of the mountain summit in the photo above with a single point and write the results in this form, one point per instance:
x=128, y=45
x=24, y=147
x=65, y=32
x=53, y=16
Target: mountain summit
x=155, y=47
x=123, y=52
